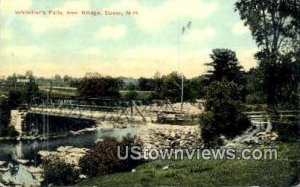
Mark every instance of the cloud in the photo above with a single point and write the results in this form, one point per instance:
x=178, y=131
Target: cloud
x=21, y=51
x=148, y=52
x=240, y=28
x=146, y=60
x=135, y=62
x=5, y=34
x=154, y=19
x=246, y=57
x=43, y=23
x=111, y=32
x=196, y=35
x=91, y=51
x=8, y=7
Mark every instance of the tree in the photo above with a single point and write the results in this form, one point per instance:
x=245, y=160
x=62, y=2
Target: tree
x=224, y=98
x=130, y=86
x=287, y=79
x=254, y=87
x=131, y=94
x=171, y=86
x=225, y=66
x=223, y=113
x=29, y=74
x=145, y=84
x=31, y=90
x=274, y=25
x=95, y=85
x=4, y=114
x=6, y=105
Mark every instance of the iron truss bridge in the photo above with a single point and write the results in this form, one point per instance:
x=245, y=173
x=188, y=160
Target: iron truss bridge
x=102, y=108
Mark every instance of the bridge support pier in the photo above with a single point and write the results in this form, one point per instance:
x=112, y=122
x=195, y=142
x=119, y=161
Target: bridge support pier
x=16, y=119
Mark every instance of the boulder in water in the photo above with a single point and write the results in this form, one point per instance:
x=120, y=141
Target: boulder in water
x=2, y=163
x=83, y=176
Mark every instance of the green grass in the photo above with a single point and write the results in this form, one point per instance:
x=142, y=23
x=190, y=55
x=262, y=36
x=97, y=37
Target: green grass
x=58, y=91
x=281, y=172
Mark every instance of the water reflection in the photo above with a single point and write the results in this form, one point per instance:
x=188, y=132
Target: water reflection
x=15, y=152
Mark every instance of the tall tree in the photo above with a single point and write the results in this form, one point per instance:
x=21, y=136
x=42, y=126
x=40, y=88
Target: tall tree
x=225, y=66
x=145, y=84
x=274, y=25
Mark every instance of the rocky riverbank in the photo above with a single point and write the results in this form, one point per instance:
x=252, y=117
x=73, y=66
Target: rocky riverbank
x=15, y=174
x=151, y=136
x=169, y=136
x=68, y=154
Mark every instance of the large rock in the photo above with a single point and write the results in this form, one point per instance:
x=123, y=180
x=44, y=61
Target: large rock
x=2, y=163
x=68, y=154
x=166, y=136
x=261, y=138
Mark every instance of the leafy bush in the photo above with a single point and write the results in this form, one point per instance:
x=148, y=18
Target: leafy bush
x=57, y=172
x=229, y=122
x=103, y=158
x=223, y=113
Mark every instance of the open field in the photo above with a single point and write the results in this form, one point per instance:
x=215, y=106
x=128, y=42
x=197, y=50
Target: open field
x=281, y=172
x=58, y=91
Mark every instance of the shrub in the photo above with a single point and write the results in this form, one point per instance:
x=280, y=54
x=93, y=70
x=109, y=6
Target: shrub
x=103, y=158
x=57, y=172
x=287, y=130
x=223, y=114
x=228, y=122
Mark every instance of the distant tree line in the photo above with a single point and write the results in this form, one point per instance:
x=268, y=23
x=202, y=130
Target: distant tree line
x=94, y=85
x=169, y=86
x=18, y=90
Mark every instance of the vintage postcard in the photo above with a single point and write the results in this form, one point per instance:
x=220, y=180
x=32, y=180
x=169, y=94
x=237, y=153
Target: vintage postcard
x=149, y=93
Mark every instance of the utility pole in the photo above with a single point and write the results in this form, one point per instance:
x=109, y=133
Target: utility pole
x=49, y=93
x=184, y=29
x=181, y=108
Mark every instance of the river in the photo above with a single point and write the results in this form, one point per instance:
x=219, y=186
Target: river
x=12, y=152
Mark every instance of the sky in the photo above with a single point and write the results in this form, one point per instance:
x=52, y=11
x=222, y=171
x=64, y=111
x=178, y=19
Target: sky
x=147, y=41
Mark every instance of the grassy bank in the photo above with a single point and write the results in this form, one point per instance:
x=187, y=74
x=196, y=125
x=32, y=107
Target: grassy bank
x=281, y=172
